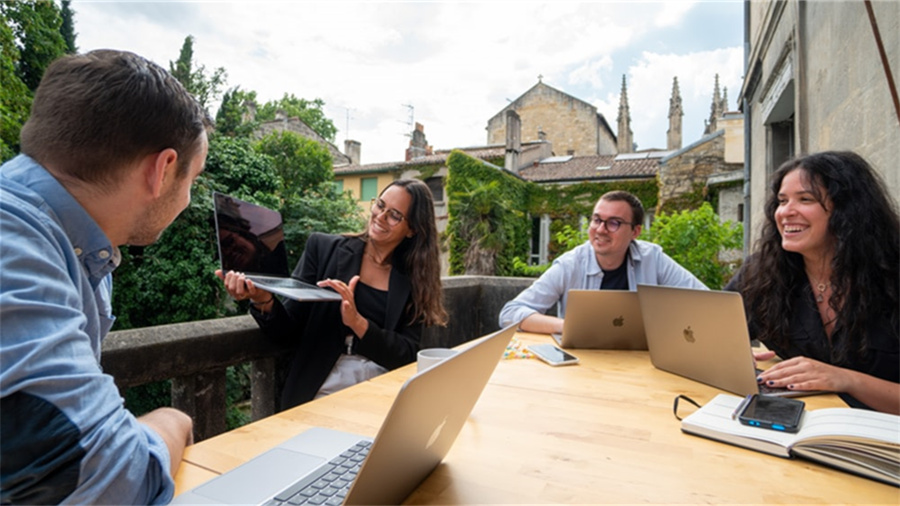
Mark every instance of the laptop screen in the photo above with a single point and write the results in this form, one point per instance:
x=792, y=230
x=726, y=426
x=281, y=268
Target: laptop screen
x=250, y=237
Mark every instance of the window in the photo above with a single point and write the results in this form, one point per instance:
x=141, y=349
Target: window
x=368, y=188
x=339, y=186
x=781, y=143
x=436, y=185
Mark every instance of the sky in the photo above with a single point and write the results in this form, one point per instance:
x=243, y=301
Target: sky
x=380, y=67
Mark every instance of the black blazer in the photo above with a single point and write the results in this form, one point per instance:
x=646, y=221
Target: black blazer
x=317, y=330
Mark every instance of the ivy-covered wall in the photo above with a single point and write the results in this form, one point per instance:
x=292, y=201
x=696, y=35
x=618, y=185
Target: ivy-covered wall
x=490, y=212
x=487, y=225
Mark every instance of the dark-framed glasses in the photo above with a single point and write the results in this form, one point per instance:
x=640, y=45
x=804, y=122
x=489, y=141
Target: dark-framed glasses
x=393, y=217
x=612, y=224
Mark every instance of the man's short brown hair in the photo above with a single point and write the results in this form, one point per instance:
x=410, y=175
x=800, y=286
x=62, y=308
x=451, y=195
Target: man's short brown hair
x=94, y=113
x=637, y=209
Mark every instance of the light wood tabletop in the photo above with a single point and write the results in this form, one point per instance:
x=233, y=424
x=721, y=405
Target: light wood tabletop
x=601, y=431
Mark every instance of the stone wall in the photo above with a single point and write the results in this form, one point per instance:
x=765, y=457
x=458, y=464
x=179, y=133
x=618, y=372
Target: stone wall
x=679, y=174
x=571, y=125
x=302, y=129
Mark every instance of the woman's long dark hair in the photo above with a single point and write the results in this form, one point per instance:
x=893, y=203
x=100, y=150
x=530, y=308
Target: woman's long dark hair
x=865, y=269
x=419, y=256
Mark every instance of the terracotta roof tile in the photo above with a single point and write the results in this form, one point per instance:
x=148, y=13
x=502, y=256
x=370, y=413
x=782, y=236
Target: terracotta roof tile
x=592, y=168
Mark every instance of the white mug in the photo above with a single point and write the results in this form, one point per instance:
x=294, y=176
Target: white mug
x=431, y=356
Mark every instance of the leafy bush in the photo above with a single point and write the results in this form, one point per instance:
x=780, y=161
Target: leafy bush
x=695, y=239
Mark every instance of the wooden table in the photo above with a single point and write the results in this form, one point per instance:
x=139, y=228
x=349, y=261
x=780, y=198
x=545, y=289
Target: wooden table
x=601, y=431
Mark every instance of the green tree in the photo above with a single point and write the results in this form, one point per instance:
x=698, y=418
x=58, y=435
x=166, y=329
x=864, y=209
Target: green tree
x=234, y=118
x=318, y=209
x=310, y=112
x=15, y=98
x=194, y=77
x=36, y=33
x=67, y=29
x=695, y=239
x=301, y=163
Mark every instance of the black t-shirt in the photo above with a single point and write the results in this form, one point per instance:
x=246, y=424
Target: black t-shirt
x=616, y=279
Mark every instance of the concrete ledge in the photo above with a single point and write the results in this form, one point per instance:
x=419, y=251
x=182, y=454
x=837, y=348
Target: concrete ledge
x=195, y=355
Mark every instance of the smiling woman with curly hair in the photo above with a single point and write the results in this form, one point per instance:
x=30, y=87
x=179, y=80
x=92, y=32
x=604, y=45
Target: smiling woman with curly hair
x=821, y=291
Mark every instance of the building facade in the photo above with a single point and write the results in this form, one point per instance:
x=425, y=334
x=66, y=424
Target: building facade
x=819, y=76
x=573, y=126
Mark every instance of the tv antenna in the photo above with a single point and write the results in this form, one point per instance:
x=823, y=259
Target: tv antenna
x=410, y=122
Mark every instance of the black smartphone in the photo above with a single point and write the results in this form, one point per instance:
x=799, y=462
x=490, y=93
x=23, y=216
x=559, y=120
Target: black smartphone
x=772, y=412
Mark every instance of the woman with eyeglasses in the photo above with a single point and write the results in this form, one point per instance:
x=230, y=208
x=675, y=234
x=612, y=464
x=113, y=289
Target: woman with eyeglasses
x=822, y=290
x=389, y=279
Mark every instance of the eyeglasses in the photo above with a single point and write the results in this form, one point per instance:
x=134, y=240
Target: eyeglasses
x=612, y=224
x=394, y=217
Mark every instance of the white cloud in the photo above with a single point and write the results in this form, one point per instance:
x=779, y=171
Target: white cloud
x=457, y=63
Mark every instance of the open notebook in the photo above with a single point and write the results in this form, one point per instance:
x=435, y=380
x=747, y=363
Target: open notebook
x=422, y=424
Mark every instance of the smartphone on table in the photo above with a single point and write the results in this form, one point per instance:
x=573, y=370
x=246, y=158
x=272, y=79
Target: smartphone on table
x=771, y=412
x=552, y=354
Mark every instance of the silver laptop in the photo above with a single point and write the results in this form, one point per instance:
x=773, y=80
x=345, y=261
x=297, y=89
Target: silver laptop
x=427, y=415
x=702, y=335
x=602, y=319
x=251, y=240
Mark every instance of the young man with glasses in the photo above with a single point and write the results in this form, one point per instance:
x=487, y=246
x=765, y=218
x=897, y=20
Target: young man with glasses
x=612, y=259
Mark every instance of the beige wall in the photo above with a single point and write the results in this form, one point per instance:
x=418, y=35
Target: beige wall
x=569, y=124
x=353, y=184
x=841, y=98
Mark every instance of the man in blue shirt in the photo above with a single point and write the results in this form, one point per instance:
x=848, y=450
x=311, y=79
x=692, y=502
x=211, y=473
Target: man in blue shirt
x=612, y=259
x=109, y=154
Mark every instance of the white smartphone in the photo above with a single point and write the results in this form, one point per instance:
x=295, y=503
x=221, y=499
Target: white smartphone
x=552, y=354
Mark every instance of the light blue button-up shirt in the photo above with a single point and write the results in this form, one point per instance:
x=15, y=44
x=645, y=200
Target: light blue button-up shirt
x=66, y=436
x=578, y=269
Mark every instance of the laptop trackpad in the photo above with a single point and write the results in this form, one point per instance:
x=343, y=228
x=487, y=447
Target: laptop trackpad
x=260, y=478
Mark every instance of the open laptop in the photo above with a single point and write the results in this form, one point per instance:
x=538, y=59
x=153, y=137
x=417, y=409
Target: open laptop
x=702, y=335
x=427, y=415
x=251, y=240
x=602, y=319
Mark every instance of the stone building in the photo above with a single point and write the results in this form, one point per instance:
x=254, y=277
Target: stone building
x=573, y=126
x=819, y=76
x=296, y=125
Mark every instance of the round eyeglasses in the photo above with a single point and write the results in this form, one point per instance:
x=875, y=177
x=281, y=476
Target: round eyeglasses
x=393, y=217
x=612, y=224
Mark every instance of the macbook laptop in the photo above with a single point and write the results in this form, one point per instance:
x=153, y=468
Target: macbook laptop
x=602, y=319
x=251, y=240
x=423, y=422
x=702, y=335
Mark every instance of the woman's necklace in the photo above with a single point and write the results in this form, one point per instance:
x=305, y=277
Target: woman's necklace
x=379, y=264
x=820, y=297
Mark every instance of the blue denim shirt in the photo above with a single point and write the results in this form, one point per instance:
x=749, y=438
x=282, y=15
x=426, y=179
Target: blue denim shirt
x=65, y=435
x=578, y=269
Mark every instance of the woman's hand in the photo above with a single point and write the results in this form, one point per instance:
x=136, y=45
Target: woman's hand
x=240, y=288
x=802, y=373
x=349, y=314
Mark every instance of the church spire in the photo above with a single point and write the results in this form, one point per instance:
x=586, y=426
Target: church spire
x=675, y=116
x=625, y=139
x=716, y=110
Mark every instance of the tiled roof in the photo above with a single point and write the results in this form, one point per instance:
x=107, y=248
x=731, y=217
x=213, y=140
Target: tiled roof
x=439, y=157
x=593, y=168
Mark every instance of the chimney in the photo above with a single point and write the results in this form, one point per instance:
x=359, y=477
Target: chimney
x=513, y=140
x=418, y=145
x=352, y=150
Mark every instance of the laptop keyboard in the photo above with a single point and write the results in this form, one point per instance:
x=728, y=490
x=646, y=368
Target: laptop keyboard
x=329, y=484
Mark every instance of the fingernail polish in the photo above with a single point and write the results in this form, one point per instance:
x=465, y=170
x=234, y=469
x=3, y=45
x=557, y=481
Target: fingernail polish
x=770, y=382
